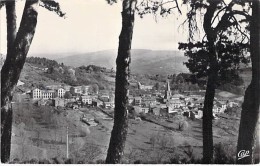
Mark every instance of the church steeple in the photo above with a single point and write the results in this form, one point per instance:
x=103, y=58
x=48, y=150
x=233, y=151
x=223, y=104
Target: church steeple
x=168, y=91
x=168, y=86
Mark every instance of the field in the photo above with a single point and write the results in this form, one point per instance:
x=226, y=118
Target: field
x=40, y=132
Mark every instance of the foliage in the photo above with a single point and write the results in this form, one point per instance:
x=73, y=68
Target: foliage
x=224, y=154
x=157, y=86
x=50, y=5
x=53, y=6
x=157, y=7
x=183, y=125
x=90, y=75
x=93, y=68
x=67, y=95
x=230, y=57
x=42, y=61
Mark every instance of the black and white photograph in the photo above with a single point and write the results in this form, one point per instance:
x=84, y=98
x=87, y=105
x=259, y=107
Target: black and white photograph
x=130, y=81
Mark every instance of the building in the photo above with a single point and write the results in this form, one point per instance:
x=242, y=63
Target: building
x=130, y=99
x=97, y=103
x=149, y=101
x=19, y=83
x=104, y=98
x=59, y=102
x=156, y=111
x=86, y=100
x=198, y=114
x=137, y=100
x=144, y=87
x=139, y=109
x=232, y=104
x=85, y=89
x=60, y=92
x=108, y=104
x=78, y=89
x=176, y=103
x=168, y=92
x=43, y=94
x=48, y=94
x=36, y=94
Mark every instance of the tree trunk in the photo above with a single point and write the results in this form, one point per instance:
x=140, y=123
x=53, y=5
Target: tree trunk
x=119, y=132
x=207, y=118
x=250, y=108
x=211, y=83
x=11, y=71
x=11, y=23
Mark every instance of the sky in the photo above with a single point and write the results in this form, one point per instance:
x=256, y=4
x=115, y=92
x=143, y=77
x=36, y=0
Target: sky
x=94, y=25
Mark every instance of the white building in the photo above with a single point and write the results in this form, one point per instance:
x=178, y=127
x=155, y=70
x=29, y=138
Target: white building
x=109, y=104
x=61, y=92
x=36, y=94
x=78, y=89
x=48, y=94
x=86, y=100
x=42, y=94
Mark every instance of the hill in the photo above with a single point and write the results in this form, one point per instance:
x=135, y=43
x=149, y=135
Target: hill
x=35, y=73
x=142, y=62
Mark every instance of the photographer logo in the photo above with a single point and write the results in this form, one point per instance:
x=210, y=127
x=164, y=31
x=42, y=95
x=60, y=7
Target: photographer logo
x=242, y=154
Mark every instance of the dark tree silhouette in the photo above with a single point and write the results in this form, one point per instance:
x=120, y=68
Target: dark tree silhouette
x=219, y=22
x=119, y=131
x=11, y=23
x=17, y=48
x=250, y=108
x=11, y=70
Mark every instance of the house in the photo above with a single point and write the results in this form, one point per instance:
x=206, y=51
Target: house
x=171, y=110
x=149, y=101
x=104, y=98
x=59, y=102
x=139, y=109
x=144, y=87
x=156, y=111
x=175, y=103
x=198, y=114
x=85, y=89
x=97, y=103
x=130, y=99
x=86, y=100
x=232, y=104
x=223, y=104
x=108, y=104
x=177, y=96
x=78, y=89
x=137, y=100
x=19, y=83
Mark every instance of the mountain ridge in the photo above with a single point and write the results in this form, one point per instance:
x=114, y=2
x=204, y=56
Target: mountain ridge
x=143, y=61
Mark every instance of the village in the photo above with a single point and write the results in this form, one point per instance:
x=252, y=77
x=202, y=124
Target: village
x=157, y=102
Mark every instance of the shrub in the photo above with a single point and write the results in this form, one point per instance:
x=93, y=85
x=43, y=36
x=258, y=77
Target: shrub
x=100, y=161
x=183, y=125
x=34, y=161
x=44, y=161
x=224, y=154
